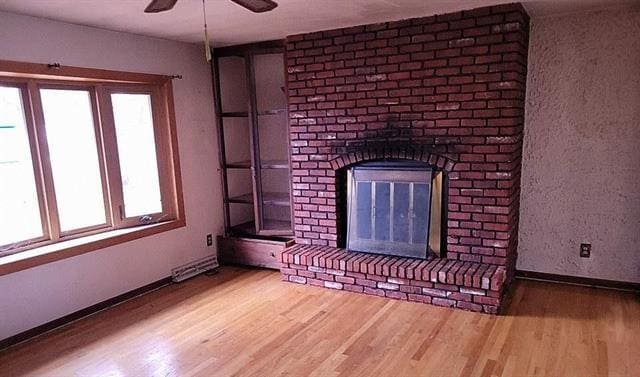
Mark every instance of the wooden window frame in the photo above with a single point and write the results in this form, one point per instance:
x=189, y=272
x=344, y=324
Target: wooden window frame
x=56, y=234
x=29, y=78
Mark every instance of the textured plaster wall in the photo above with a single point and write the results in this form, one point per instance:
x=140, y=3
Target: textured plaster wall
x=581, y=163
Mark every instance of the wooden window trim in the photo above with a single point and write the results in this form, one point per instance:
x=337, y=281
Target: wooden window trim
x=29, y=77
x=9, y=68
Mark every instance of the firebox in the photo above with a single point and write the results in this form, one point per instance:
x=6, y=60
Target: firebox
x=395, y=208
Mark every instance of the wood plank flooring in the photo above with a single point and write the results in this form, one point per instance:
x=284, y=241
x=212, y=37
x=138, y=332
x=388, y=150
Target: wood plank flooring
x=247, y=322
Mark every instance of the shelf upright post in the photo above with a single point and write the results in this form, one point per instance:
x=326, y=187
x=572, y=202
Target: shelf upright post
x=217, y=95
x=254, y=136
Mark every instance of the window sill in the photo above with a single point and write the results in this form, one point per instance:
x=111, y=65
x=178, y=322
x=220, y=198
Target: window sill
x=67, y=249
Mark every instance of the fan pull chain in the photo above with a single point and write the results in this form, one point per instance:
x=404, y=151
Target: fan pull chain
x=207, y=46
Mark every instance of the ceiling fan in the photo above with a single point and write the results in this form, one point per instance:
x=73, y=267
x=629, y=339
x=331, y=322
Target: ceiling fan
x=257, y=6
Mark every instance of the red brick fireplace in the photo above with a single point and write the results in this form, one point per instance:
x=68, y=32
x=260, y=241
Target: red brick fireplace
x=446, y=90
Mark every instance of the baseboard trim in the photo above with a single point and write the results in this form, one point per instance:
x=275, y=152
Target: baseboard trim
x=578, y=280
x=52, y=325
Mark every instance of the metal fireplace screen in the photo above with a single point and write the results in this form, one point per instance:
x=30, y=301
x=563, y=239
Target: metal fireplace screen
x=394, y=209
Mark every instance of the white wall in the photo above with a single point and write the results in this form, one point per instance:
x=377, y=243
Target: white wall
x=32, y=297
x=581, y=158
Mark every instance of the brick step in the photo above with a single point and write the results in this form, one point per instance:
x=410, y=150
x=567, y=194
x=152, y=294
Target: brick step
x=327, y=259
x=444, y=282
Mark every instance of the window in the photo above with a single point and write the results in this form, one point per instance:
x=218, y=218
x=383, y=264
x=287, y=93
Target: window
x=73, y=156
x=137, y=154
x=83, y=152
x=19, y=211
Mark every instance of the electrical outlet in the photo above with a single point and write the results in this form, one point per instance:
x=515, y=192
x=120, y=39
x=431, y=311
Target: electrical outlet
x=585, y=250
x=209, y=239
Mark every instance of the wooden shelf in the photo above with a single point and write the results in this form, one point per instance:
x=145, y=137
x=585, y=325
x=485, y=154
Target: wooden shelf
x=276, y=198
x=243, y=199
x=272, y=112
x=266, y=164
x=277, y=225
x=238, y=165
x=273, y=198
x=244, y=114
x=270, y=227
x=244, y=228
x=235, y=114
x=275, y=164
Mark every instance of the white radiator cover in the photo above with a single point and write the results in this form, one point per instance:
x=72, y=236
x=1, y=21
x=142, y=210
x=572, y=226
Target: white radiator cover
x=194, y=268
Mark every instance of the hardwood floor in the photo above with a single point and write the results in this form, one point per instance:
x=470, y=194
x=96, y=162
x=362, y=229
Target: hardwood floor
x=246, y=322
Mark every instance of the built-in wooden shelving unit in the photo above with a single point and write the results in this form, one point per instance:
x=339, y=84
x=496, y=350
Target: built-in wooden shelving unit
x=253, y=138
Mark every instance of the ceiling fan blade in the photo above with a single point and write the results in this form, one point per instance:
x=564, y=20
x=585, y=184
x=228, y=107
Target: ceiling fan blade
x=157, y=6
x=257, y=6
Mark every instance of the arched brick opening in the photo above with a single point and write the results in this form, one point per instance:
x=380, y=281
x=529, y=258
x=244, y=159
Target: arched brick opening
x=341, y=163
x=445, y=162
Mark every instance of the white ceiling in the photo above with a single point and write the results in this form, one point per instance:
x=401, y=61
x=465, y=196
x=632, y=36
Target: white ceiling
x=231, y=24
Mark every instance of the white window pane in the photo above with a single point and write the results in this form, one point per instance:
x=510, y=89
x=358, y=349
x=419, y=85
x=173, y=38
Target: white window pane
x=137, y=153
x=19, y=210
x=74, y=157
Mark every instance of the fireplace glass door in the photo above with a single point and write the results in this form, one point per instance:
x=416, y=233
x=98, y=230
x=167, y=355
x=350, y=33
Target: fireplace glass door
x=389, y=208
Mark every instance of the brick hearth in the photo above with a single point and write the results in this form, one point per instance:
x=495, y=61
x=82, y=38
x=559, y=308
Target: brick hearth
x=447, y=90
x=439, y=281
